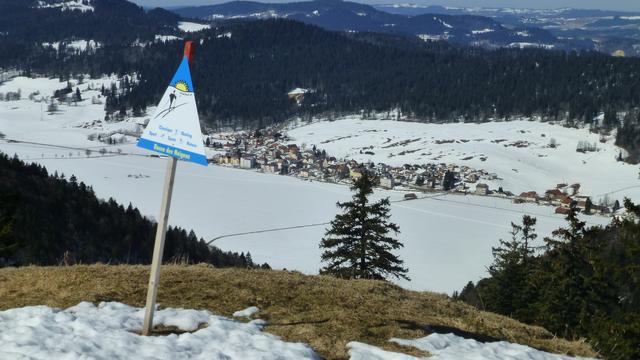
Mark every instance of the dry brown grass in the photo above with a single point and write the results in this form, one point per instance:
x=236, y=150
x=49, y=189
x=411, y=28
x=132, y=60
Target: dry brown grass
x=322, y=311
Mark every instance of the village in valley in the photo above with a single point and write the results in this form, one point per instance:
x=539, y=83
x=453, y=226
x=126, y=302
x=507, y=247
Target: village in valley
x=272, y=151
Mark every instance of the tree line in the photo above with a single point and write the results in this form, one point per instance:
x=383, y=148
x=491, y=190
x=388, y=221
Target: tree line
x=582, y=282
x=49, y=219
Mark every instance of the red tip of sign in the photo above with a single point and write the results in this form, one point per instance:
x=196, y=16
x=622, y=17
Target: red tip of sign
x=189, y=50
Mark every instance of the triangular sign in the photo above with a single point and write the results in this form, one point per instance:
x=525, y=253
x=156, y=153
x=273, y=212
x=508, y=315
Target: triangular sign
x=174, y=128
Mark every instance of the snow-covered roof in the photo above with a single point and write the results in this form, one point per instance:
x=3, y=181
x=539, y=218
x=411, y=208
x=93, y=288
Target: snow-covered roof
x=298, y=91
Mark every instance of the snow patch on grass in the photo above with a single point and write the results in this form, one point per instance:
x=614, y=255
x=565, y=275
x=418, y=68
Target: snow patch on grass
x=246, y=312
x=452, y=347
x=109, y=331
x=360, y=351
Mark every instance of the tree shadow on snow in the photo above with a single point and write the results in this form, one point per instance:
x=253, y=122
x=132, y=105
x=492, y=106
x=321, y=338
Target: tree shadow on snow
x=441, y=329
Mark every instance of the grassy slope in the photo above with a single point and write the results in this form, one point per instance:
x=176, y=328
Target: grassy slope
x=324, y=312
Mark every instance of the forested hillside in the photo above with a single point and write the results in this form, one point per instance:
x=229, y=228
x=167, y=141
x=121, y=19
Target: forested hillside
x=107, y=21
x=244, y=77
x=243, y=71
x=48, y=220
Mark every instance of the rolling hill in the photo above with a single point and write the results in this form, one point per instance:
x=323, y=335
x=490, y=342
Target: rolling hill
x=327, y=313
x=350, y=16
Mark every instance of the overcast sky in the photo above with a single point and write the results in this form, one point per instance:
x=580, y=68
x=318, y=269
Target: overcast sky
x=627, y=5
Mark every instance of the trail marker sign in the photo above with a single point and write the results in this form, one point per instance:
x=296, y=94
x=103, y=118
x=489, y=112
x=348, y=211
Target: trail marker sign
x=174, y=130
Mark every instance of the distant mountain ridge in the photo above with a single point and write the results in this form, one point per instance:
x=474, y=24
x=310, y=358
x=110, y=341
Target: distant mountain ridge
x=349, y=16
x=610, y=31
x=417, y=9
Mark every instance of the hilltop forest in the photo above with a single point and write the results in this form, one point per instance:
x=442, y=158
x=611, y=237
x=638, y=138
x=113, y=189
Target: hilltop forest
x=51, y=220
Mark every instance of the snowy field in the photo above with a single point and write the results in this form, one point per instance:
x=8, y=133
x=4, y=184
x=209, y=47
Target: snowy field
x=517, y=151
x=447, y=239
x=110, y=331
x=192, y=27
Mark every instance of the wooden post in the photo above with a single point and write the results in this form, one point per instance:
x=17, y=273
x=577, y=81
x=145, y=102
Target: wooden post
x=161, y=232
x=158, y=249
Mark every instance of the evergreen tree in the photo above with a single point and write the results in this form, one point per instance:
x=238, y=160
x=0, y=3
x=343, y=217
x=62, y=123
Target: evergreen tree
x=528, y=236
x=584, y=285
x=565, y=304
x=8, y=245
x=610, y=120
x=449, y=181
x=470, y=295
x=357, y=245
x=510, y=273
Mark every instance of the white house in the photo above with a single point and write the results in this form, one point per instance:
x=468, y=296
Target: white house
x=387, y=182
x=247, y=162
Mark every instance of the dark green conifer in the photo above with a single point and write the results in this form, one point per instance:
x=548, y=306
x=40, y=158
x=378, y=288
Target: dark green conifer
x=358, y=244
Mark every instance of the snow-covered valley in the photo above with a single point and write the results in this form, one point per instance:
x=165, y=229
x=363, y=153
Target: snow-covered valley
x=447, y=239
x=525, y=155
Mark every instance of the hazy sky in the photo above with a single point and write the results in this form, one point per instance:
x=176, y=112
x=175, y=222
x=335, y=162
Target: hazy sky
x=628, y=5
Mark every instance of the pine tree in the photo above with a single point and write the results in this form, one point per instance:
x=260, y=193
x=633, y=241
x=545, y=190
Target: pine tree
x=610, y=119
x=470, y=295
x=449, y=181
x=565, y=303
x=357, y=246
x=8, y=244
x=528, y=236
x=507, y=275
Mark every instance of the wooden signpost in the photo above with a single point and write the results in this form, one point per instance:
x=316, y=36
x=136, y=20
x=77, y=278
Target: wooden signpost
x=174, y=130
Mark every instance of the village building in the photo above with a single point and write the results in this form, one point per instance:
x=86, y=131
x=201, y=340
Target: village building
x=482, y=189
x=387, y=182
x=529, y=196
x=247, y=162
x=355, y=174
